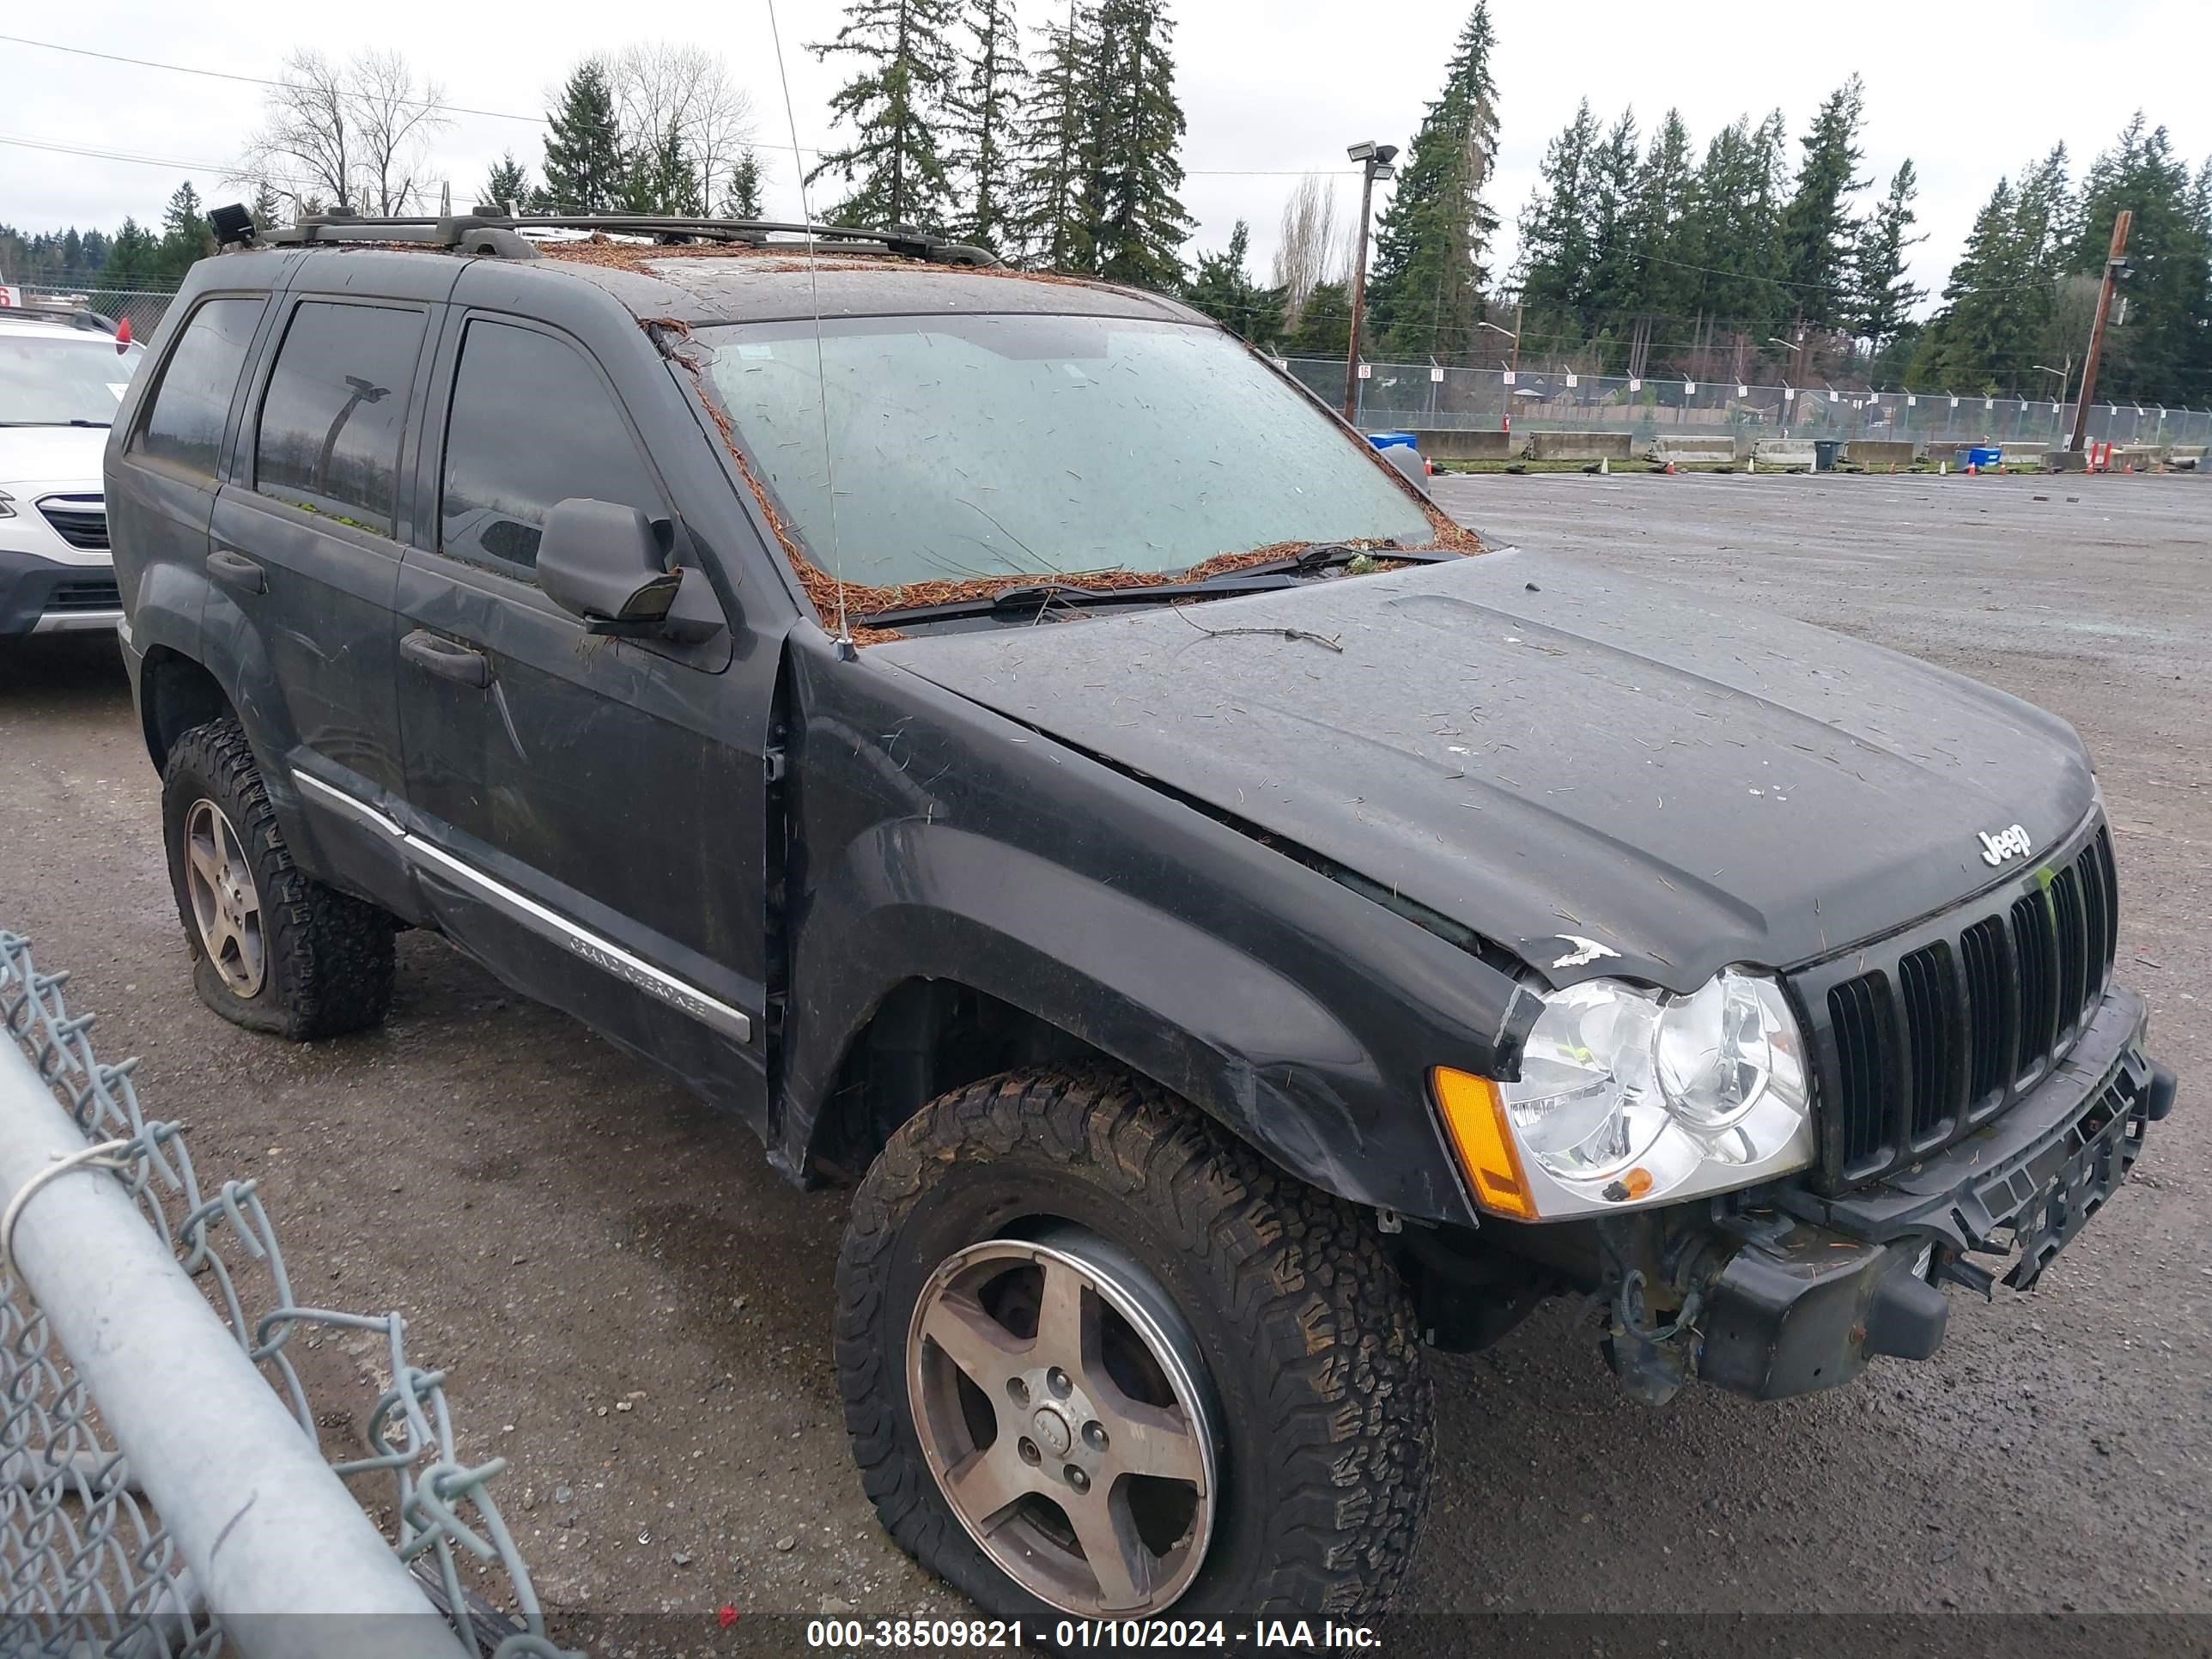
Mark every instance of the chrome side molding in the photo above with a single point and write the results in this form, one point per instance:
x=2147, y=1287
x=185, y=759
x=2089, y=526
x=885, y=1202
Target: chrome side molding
x=601, y=953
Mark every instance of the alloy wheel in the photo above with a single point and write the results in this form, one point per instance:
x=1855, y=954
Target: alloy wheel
x=226, y=904
x=1065, y=1411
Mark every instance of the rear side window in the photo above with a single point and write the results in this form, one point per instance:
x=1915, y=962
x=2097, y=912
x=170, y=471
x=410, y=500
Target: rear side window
x=185, y=425
x=532, y=424
x=336, y=410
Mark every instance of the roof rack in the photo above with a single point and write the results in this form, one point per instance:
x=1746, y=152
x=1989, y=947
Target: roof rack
x=499, y=235
x=74, y=314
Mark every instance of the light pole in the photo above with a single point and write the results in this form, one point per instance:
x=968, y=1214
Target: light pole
x=1511, y=369
x=1375, y=163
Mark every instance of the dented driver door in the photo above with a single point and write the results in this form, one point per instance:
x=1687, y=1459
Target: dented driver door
x=588, y=809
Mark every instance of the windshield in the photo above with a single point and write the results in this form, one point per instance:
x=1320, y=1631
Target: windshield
x=62, y=378
x=980, y=447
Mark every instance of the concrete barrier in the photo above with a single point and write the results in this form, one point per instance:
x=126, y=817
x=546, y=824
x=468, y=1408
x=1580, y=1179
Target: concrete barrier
x=1457, y=444
x=1580, y=446
x=2066, y=460
x=1785, y=452
x=1879, y=452
x=2187, y=452
x=1718, y=446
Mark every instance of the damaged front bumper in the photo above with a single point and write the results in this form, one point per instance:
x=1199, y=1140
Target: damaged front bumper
x=1815, y=1287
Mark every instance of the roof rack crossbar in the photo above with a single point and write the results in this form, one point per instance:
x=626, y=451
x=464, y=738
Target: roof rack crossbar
x=500, y=233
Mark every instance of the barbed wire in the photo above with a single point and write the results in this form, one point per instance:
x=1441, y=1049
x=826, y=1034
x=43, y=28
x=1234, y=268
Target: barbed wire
x=89, y=1567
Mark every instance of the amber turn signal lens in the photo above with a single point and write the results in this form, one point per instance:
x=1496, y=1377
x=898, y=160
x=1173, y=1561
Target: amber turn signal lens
x=1475, y=1116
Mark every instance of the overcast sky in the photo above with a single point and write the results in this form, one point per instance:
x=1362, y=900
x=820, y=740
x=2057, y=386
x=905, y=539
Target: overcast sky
x=1272, y=88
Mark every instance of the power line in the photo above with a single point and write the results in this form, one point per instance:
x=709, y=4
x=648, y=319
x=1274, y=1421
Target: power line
x=509, y=115
x=254, y=80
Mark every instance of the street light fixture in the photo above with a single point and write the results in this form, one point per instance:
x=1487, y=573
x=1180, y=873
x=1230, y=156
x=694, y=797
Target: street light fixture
x=1375, y=163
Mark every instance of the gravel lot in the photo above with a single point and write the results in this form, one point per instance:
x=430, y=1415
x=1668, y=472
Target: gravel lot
x=635, y=1310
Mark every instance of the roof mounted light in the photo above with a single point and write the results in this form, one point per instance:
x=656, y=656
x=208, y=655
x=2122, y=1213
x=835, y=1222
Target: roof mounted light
x=233, y=226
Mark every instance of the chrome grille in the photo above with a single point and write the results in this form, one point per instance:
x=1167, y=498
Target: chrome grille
x=1920, y=1038
x=80, y=520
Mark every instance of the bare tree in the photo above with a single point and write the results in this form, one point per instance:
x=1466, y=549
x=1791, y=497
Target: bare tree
x=680, y=98
x=1308, y=248
x=354, y=133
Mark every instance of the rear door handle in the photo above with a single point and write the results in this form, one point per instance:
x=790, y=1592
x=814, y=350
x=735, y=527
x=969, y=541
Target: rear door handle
x=235, y=570
x=447, y=661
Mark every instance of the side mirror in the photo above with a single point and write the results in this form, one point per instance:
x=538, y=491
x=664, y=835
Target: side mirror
x=605, y=563
x=1409, y=461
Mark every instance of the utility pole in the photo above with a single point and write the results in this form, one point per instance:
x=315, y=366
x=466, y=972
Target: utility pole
x=2115, y=263
x=1375, y=163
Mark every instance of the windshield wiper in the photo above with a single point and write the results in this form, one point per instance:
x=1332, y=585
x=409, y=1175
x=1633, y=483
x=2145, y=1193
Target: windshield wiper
x=1324, y=556
x=103, y=425
x=1037, y=597
x=1034, y=596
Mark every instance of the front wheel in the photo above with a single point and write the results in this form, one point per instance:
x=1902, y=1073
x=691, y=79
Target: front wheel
x=1101, y=1360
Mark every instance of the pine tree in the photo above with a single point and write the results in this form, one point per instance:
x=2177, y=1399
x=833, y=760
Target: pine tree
x=508, y=186
x=1139, y=222
x=1881, y=300
x=1057, y=137
x=1976, y=341
x=1426, y=292
x=1554, y=264
x=185, y=237
x=657, y=178
x=1813, y=251
x=584, y=162
x=984, y=109
x=2169, y=294
x=1614, y=289
x=268, y=206
x=1736, y=209
x=896, y=106
x=741, y=196
x=1666, y=256
x=1222, y=286
x=1324, y=327
x=134, y=258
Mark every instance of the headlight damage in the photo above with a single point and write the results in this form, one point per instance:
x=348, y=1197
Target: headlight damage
x=1630, y=1097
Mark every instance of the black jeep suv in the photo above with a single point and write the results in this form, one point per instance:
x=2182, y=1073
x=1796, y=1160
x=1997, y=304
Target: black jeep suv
x=1001, y=738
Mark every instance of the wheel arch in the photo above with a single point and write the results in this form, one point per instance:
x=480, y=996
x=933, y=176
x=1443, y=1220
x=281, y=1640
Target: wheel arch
x=955, y=995
x=176, y=694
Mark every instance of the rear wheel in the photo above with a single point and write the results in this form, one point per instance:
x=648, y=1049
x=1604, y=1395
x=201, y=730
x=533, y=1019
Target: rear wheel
x=1101, y=1360
x=273, y=950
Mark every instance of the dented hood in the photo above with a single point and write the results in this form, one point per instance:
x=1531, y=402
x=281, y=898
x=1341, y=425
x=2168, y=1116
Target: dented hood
x=1605, y=774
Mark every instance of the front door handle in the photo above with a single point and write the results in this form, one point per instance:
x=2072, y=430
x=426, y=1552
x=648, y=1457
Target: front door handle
x=237, y=572
x=447, y=661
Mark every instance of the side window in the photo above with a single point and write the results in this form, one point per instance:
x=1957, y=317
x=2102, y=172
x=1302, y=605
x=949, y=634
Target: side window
x=532, y=423
x=336, y=409
x=184, y=427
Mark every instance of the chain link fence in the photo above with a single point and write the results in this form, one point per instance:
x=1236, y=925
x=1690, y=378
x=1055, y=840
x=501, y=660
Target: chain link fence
x=143, y=307
x=1427, y=397
x=166, y=1485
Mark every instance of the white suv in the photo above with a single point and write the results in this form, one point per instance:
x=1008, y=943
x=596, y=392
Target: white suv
x=62, y=375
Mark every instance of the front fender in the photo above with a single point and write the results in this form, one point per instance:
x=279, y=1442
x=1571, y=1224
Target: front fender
x=938, y=840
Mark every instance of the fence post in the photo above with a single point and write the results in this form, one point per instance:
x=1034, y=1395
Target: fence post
x=266, y=1528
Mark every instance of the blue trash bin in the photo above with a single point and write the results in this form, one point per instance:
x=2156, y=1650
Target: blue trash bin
x=1982, y=458
x=1393, y=440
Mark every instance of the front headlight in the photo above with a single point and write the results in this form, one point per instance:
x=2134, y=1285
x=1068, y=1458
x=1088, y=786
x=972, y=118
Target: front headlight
x=1627, y=1097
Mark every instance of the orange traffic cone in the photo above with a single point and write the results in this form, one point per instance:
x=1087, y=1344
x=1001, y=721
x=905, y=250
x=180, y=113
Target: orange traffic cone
x=1670, y=469
x=1972, y=470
